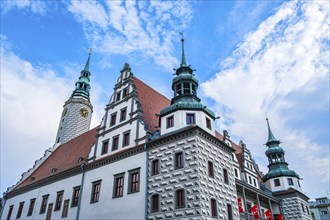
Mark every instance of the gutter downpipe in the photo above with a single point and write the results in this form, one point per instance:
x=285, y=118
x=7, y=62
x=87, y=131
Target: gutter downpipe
x=146, y=188
x=81, y=189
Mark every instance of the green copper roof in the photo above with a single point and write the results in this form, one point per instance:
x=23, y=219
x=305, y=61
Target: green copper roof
x=279, y=171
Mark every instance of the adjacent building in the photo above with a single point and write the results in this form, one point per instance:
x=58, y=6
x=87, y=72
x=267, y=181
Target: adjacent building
x=152, y=158
x=320, y=208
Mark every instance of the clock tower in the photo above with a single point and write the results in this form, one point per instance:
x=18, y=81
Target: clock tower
x=77, y=110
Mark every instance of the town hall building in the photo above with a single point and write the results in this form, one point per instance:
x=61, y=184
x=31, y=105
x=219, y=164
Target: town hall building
x=152, y=158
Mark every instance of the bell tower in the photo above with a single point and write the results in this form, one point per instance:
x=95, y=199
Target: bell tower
x=77, y=110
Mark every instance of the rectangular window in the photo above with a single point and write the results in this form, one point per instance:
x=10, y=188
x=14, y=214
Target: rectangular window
x=115, y=141
x=299, y=183
x=10, y=211
x=31, y=207
x=20, y=209
x=208, y=123
x=58, y=202
x=277, y=182
x=75, y=196
x=190, y=119
x=65, y=208
x=210, y=169
x=214, y=210
x=96, y=189
x=155, y=167
x=225, y=176
x=229, y=212
x=170, y=121
x=134, y=181
x=44, y=204
x=254, y=182
x=186, y=88
x=302, y=207
x=236, y=173
x=290, y=181
x=155, y=203
x=124, y=92
x=123, y=113
x=180, y=198
x=113, y=119
x=126, y=139
x=178, y=89
x=178, y=162
x=105, y=147
x=250, y=180
x=118, y=185
x=117, y=96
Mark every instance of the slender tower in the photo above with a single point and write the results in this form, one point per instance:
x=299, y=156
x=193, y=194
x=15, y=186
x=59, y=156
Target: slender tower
x=77, y=111
x=284, y=183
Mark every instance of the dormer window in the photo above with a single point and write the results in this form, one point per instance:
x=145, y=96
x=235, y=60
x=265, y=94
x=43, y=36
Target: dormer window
x=32, y=179
x=80, y=159
x=54, y=170
x=117, y=96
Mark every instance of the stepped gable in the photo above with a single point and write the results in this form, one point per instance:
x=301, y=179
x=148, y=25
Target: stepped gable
x=237, y=148
x=64, y=157
x=151, y=103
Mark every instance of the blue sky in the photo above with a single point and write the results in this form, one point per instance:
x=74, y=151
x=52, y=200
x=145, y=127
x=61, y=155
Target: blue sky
x=251, y=57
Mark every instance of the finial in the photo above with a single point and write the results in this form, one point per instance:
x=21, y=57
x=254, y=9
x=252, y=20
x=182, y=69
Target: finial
x=87, y=63
x=183, y=60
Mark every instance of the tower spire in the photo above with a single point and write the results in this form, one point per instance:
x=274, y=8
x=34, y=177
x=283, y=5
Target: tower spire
x=271, y=137
x=87, y=63
x=183, y=59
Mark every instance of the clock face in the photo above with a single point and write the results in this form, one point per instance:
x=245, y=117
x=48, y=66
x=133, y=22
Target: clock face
x=84, y=112
x=64, y=112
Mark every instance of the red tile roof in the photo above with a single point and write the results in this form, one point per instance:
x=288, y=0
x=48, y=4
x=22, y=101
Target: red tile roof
x=151, y=103
x=64, y=157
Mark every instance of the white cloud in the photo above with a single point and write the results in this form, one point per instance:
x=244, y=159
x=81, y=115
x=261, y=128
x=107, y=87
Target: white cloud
x=31, y=104
x=146, y=29
x=285, y=60
x=38, y=7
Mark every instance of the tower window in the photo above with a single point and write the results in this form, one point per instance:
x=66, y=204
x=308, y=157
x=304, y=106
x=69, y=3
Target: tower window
x=193, y=89
x=155, y=167
x=105, y=147
x=190, y=118
x=299, y=183
x=58, y=202
x=290, y=181
x=126, y=139
x=186, y=88
x=118, y=185
x=31, y=207
x=20, y=209
x=214, y=210
x=113, y=119
x=123, y=114
x=208, y=123
x=115, y=143
x=96, y=188
x=178, y=161
x=277, y=182
x=225, y=176
x=302, y=207
x=210, y=169
x=178, y=89
x=236, y=173
x=155, y=203
x=179, y=199
x=170, y=121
